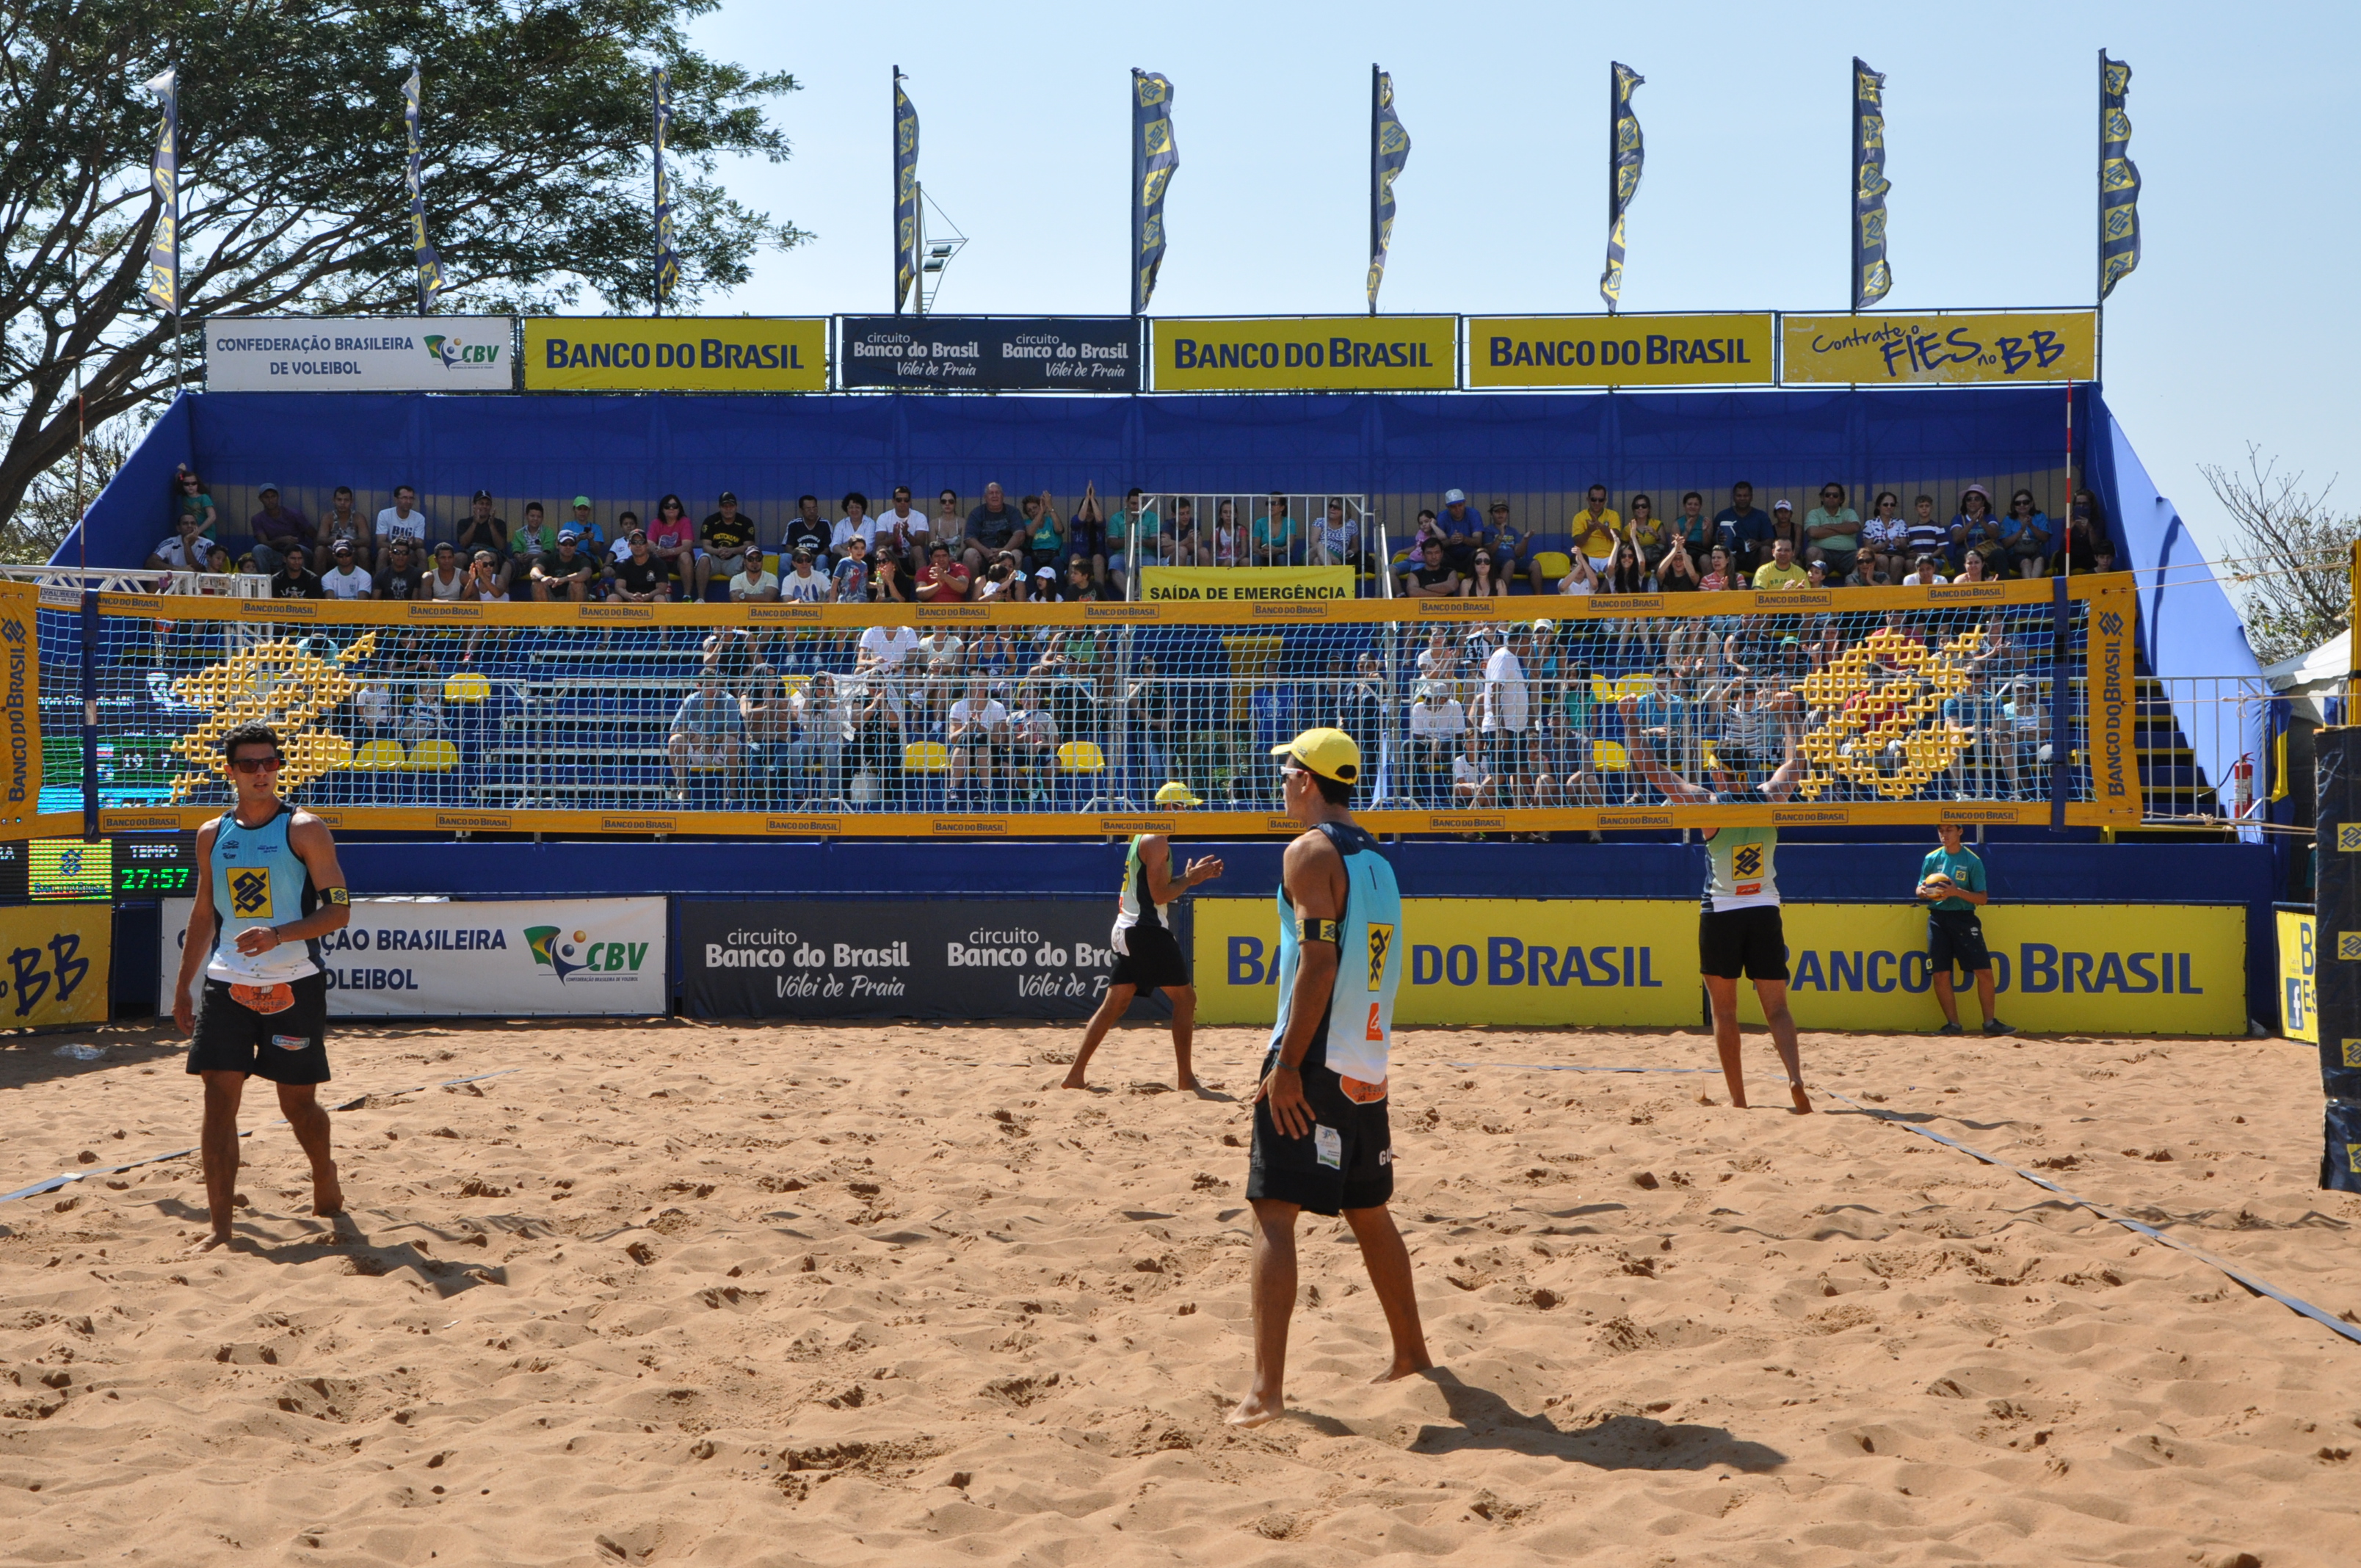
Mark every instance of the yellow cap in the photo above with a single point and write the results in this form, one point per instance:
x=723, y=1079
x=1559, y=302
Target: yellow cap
x=1331, y=753
x=1176, y=793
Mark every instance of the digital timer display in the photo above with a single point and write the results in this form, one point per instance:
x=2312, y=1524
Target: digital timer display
x=175, y=879
x=162, y=865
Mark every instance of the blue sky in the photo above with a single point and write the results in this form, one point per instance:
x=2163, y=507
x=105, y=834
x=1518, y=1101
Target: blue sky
x=2238, y=327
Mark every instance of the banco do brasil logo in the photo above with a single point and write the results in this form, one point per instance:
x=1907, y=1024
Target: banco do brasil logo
x=568, y=958
x=2111, y=623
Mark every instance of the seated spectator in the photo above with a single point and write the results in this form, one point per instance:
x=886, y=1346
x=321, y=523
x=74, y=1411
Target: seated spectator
x=1596, y=528
x=1336, y=540
x=532, y=541
x=1783, y=526
x=1694, y=532
x=480, y=529
x=852, y=573
x=807, y=530
x=187, y=550
x=1742, y=531
x=1925, y=535
x=346, y=578
x=1513, y=549
x=403, y=572
x=1003, y=581
x=217, y=564
x=1484, y=580
x=728, y=540
x=402, y=520
x=1676, y=573
x=1224, y=543
x=289, y=579
x=1722, y=572
x=276, y=529
x=1086, y=534
x=2102, y=554
x=1972, y=568
x=1438, y=729
x=1581, y=578
x=708, y=733
x=1079, y=589
x=1975, y=528
x=901, y=533
x=1187, y=548
x=639, y=578
x=802, y=585
x=1781, y=571
x=1136, y=520
x=988, y=528
x=1460, y=529
x=586, y=534
x=1042, y=586
x=1626, y=573
x=1923, y=572
x=2026, y=536
x=1646, y=532
x=946, y=581
x=346, y=520
x=890, y=586
x=753, y=583
x=1865, y=572
x=1276, y=534
x=191, y=499
x=1430, y=578
x=488, y=579
x=855, y=524
x=979, y=724
x=1885, y=536
x=566, y=573
x=1041, y=536
x=1832, y=531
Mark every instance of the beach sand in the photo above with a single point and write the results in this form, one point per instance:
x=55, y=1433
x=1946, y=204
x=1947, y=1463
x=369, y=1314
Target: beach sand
x=688, y=1293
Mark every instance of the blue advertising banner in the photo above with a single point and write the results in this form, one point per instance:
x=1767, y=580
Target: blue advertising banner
x=988, y=354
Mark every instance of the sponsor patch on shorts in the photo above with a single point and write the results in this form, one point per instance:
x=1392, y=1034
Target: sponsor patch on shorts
x=1329, y=1145
x=290, y=1042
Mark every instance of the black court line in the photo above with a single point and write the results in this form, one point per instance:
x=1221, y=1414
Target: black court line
x=68, y=1177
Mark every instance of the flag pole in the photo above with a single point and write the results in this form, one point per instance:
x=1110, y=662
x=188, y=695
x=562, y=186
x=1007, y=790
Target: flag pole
x=1375, y=153
x=1138, y=181
x=1613, y=112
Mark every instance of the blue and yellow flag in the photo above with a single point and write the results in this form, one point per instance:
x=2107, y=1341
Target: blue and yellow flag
x=667, y=250
x=906, y=193
x=430, y=266
x=1154, y=160
x=164, y=176
x=1389, y=152
x=2119, y=180
x=1625, y=153
x=1871, y=277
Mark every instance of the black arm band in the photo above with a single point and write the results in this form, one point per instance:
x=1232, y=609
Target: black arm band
x=335, y=895
x=1319, y=931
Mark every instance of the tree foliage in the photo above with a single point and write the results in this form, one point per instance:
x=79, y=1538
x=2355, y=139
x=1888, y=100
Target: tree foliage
x=536, y=125
x=2289, y=556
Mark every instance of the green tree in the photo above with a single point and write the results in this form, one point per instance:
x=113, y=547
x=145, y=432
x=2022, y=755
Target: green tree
x=2287, y=554
x=292, y=152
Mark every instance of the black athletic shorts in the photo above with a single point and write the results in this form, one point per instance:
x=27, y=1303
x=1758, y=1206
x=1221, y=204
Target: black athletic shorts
x=1152, y=960
x=1346, y=1162
x=1956, y=937
x=286, y=1046
x=1748, y=942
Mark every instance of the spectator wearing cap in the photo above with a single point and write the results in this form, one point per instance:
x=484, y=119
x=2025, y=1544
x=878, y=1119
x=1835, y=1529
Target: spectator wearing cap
x=1742, y=531
x=1512, y=548
x=346, y=578
x=802, y=585
x=1783, y=526
x=753, y=583
x=1043, y=586
x=586, y=532
x=1595, y=529
x=480, y=529
x=727, y=536
x=533, y=541
x=1975, y=528
x=1832, y=531
x=639, y=578
x=402, y=520
x=565, y=572
x=277, y=529
x=1504, y=708
x=1438, y=731
x=1461, y=529
x=976, y=728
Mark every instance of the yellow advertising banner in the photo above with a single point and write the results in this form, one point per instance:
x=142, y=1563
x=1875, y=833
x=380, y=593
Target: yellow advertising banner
x=54, y=959
x=1877, y=349
x=2108, y=653
x=20, y=677
x=676, y=354
x=2124, y=969
x=1305, y=354
x=1622, y=351
x=2299, y=1016
x=1247, y=584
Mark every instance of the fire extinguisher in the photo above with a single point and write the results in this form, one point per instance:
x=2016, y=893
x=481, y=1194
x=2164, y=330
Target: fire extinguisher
x=2242, y=773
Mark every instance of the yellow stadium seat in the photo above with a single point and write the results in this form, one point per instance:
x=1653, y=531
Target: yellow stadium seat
x=1081, y=757
x=926, y=757
x=791, y=684
x=771, y=562
x=467, y=687
x=1611, y=757
x=381, y=755
x=1552, y=565
x=1608, y=693
x=434, y=756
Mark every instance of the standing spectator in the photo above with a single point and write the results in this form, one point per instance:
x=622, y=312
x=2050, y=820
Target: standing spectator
x=1276, y=534
x=345, y=520
x=988, y=528
x=1506, y=706
x=672, y=540
x=727, y=536
x=187, y=550
x=852, y=573
x=639, y=576
x=1430, y=578
x=566, y=573
x=1975, y=528
x=754, y=583
x=1885, y=536
x=801, y=585
x=882, y=658
x=2025, y=535
x=345, y=579
x=1781, y=571
x=824, y=733
x=1335, y=541
x=1461, y=531
x=293, y=581
x=191, y=499
x=1744, y=531
x=1135, y=531
x=481, y=531
x=946, y=581
x=402, y=520
x=774, y=757
x=1951, y=885
x=1832, y=531
x=446, y=581
x=1595, y=529
x=1646, y=532
x=277, y=529
x=1086, y=534
x=1438, y=730
x=403, y=571
x=533, y=541
x=855, y=524
x=1926, y=535
x=708, y=734
x=807, y=530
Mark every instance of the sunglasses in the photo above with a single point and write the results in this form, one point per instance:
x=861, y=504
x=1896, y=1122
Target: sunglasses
x=259, y=764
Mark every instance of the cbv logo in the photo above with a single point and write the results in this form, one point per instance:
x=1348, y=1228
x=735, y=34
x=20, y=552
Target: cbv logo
x=568, y=957
x=454, y=353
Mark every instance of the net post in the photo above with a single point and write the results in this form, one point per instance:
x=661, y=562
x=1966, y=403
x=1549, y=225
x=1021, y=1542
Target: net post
x=90, y=713
x=2061, y=623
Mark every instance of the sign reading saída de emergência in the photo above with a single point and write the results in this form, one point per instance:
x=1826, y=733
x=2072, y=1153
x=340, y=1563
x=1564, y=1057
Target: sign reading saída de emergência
x=946, y=959
x=1007, y=353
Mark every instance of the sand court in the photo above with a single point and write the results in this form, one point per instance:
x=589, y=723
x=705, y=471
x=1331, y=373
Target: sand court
x=721, y=1294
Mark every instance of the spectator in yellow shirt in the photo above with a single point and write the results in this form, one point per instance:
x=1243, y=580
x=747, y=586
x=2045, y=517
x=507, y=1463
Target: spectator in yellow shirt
x=1647, y=531
x=1595, y=529
x=1781, y=571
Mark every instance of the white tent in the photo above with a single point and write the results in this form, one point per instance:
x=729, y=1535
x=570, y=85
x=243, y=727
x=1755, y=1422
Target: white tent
x=2309, y=677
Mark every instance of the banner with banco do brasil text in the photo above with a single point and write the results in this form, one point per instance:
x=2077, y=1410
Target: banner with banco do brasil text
x=54, y=964
x=2299, y=953
x=1622, y=351
x=1882, y=348
x=20, y=685
x=1245, y=585
x=676, y=354
x=1305, y=354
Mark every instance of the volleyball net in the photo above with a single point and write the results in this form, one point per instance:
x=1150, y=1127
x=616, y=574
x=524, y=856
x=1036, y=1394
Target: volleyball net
x=2006, y=702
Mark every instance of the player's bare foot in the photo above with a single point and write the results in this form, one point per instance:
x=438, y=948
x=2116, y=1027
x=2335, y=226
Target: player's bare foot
x=1254, y=1410
x=216, y=1240
x=1403, y=1366
x=1187, y=1084
x=1803, y=1100
x=1074, y=1078
x=327, y=1192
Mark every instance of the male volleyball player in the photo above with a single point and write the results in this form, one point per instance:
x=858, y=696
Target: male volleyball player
x=1147, y=957
x=1739, y=930
x=1321, y=1136
x=268, y=889
x=1951, y=883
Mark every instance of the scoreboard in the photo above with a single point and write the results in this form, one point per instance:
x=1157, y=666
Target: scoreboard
x=60, y=870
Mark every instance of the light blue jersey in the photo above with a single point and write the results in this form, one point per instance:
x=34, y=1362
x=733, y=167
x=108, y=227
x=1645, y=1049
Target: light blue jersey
x=1356, y=1034
x=259, y=880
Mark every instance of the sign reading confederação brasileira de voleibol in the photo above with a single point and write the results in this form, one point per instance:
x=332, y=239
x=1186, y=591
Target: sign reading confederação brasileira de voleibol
x=989, y=354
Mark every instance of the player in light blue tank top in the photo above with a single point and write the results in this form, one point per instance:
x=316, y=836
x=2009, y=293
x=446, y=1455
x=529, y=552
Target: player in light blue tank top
x=1322, y=1140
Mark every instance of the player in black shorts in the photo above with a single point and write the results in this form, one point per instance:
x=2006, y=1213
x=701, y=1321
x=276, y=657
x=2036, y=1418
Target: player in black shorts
x=1147, y=956
x=268, y=889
